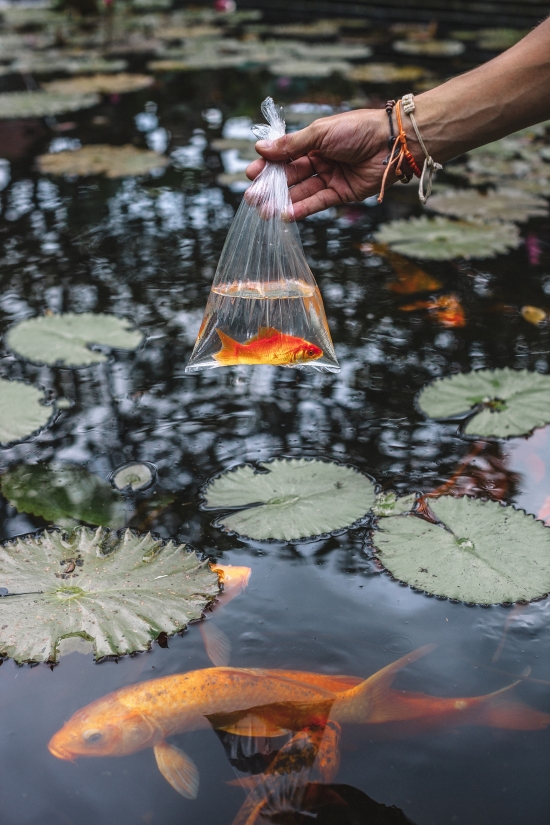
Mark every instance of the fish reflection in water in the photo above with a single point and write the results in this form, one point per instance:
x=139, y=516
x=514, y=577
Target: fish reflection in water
x=270, y=703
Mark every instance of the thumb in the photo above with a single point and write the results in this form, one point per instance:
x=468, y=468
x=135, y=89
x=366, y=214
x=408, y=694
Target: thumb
x=292, y=146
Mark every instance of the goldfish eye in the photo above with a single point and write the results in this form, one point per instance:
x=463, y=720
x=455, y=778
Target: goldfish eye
x=311, y=352
x=93, y=736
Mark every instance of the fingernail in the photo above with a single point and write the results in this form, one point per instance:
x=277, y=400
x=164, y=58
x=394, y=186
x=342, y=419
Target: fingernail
x=264, y=144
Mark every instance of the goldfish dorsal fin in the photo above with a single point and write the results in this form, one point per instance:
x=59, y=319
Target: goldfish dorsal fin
x=178, y=769
x=358, y=704
x=216, y=643
x=265, y=332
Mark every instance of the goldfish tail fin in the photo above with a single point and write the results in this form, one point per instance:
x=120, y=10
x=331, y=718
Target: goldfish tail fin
x=496, y=710
x=228, y=353
x=360, y=703
x=178, y=769
x=216, y=643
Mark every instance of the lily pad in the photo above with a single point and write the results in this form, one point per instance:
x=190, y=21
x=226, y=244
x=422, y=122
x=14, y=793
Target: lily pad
x=499, y=39
x=21, y=412
x=63, y=494
x=506, y=402
x=500, y=204
x=443, y=239
x=118, y=590
x=385, y=73
x=387, y=504
x=66, y=339
x=309, y=68
x=104, y=84
x=134, y=476
x=291, y=499
x=102, y=159
x=481, y=553
x=430, y=48
x=42, y=104
x=55, y=61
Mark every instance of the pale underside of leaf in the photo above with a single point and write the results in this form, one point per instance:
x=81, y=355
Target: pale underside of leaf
x=295, y=499
x=525, y=396
x=65, y=339
x=488, y=554
x=21, y=413
x=121, y=592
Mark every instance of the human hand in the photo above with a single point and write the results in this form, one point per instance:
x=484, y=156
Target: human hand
x=338, y=159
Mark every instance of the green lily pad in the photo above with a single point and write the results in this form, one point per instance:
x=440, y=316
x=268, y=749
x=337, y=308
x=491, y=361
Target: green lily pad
x=102, y=159
x=500, y=204
x=21, y=412
x=443, y=239
x=296, y=498
x=387, y=504
x=507, y=402
x=482, y=552
x=118, y=590
x=104, y=84
x=66, y=339
x=430, y=48
x=42, y=104
x=308, y=68
x=63, y=494
x=386, y=73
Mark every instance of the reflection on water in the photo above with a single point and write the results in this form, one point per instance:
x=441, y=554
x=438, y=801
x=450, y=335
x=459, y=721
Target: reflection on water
x=148, y=250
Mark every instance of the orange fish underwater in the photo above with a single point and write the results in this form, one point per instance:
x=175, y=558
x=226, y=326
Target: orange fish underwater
x=447, y=310
x=269, y=346
x=234, y=580
x=262, y=702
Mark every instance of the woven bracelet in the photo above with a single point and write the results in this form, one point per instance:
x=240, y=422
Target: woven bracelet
x=430, y=166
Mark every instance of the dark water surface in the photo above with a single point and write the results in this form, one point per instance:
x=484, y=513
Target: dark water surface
x=147, y=249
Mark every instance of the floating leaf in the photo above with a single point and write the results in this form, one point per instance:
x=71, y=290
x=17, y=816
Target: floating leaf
x=309, y=68
x=507, y=402
x=443, y=239
x=387, y=504
x=429, y=48
x=104, y=84
x=482, y=552
x=135, y=475
x=533, y=315
x=63, y=494
x=21, y=411
x=59, y=62
x=120, y=591
x=102, y=159
x=66, y=339
x=499, y=39
x=42, y=104
x=295, y=498
x=386, y=73
x=500, y=204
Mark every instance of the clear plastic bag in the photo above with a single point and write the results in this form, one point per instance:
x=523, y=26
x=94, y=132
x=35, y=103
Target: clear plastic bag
x=264, y=306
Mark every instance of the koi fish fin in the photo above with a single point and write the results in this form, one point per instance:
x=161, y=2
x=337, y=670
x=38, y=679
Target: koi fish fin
x=359, y=704
x=327, y=761
x=250, y=725
x=178, y=769
x=228, y=353
x=496, y=710
x=216, y=644
x=265, y=332
x=247, y=782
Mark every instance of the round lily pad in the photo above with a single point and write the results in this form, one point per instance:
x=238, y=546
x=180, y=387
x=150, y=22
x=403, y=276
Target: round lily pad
x=21, y=411
x=134, y=476
x=102, y=159
x=443, y=239
x=66, y=339
x=429, y=48
x=105, y=84
x=506, y=402
x=499, y=204
x=118, y=590
x=481, y=552
x=385, y=73
x=42, y=104
x=289, y=498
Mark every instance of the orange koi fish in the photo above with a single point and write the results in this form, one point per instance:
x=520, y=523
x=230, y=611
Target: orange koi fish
x=447, y=310
x=269, y=346
x=410, y=278
x=143, y=715
x=216, y=643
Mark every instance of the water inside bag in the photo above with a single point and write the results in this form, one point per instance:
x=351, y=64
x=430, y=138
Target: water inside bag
x=264, y=306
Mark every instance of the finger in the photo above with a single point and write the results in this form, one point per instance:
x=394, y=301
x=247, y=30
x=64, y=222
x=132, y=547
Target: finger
x=306, y=189
x=299, y=170
x=316, y=203
x=253, y=169
x=295, y=145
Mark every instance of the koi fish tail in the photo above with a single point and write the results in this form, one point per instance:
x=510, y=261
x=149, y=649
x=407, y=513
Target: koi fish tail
x=497, y=710
x=229, y=353
x=363, y=703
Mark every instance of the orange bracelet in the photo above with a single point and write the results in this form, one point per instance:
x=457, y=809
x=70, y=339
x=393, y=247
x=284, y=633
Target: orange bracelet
x=402, y=136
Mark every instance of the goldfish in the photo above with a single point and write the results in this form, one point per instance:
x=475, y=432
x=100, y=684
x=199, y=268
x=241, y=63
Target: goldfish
x=410, y=278
x=446, y=309
x=234, y=580
x=533, y=315
x=269, y=346
x=144, y=715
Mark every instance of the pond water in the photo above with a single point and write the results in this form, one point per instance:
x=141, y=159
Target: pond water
x=146, y=248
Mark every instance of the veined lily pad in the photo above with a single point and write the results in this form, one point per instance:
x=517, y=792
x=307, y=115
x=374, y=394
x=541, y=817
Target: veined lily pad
x=66, y=339
x=487, y=554
x=499, y=204
x=295, y=498
x=21, y=411
x=119, y=591
x=385, y=73
x=507, y=402
x=102, y=159
x=443, y=239
x=42, y=104
x=104, y=84
x=63, y=494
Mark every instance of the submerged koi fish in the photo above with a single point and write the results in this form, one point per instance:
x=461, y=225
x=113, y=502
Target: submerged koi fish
x=269, y=346
x=447, y=310
x=144, y=715
x=234, y=580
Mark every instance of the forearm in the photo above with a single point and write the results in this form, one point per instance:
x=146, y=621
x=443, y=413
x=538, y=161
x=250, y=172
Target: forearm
x=504, y=95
